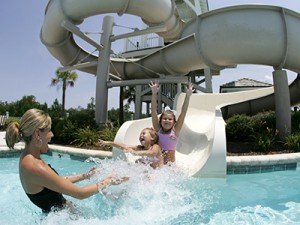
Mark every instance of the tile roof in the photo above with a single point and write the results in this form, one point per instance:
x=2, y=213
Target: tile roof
x=246, y=82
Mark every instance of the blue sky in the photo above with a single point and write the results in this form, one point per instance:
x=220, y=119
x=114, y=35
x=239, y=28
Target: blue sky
x=26, y=66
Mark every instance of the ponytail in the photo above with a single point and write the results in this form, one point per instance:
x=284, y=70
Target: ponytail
x=12, y=134
x=31, y=120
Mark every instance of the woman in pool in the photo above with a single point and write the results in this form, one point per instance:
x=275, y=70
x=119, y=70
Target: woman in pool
x=167, y=127
x=40, y=181
x=149, y=148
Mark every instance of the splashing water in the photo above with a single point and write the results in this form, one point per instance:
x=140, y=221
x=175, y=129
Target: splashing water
x=149, y=197
x=165, y=197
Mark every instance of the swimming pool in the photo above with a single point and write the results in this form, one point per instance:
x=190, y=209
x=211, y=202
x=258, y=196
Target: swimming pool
x=163, y=196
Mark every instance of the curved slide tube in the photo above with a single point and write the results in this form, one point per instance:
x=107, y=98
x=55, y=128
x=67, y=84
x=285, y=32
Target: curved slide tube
x=249, y=34
x=61, y=44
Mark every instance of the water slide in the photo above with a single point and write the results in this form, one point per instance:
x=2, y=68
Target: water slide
x=248, y=34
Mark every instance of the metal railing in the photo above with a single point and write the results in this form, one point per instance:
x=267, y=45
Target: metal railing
x=168, y=90
x=142, y=42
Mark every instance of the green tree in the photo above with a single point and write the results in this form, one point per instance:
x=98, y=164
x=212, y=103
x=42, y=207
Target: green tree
x=91, y=105
x=113, y=115
x=19, y=107
x=3, y=107
x=55, y=109
x=64, y=80
x=128, y=93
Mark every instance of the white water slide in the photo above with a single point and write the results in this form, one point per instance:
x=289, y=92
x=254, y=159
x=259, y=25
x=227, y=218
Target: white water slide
x=248, y=34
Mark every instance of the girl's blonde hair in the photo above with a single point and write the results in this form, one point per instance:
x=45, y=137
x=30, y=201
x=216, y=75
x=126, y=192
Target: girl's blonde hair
x=153, y=134
x=31, y=120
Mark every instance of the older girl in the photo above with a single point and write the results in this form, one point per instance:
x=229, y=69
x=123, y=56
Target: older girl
x=166, y=125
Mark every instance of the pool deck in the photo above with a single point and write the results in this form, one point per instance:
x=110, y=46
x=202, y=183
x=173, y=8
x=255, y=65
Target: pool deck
x=233, y=162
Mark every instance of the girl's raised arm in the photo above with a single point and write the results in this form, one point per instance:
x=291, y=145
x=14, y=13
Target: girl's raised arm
x=184, y=109
x=154, y=88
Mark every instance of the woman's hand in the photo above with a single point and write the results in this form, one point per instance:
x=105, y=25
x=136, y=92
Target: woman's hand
x=111, y=180
x=118, y=180
x=154, y=86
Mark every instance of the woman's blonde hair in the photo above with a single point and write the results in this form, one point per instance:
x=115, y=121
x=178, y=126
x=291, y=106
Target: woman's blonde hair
x=31, y=120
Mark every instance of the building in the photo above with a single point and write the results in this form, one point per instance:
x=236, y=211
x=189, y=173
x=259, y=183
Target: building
x=244, y=84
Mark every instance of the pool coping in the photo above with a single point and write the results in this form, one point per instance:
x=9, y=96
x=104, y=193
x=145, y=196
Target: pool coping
x=81, y=152
x=256, y=160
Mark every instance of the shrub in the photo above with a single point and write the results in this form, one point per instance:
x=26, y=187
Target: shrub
x=296, y=122
x=85, y=137
x=108, y=134
x=293, y=142
x=239, y=128
x=63, y=130
x=83, y=118
x=263, y=121
x=263, y=141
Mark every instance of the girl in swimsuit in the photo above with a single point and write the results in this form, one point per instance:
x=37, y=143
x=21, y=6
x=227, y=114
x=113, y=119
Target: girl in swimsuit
x=40, y=181
x=149, y=149
x=166, y=125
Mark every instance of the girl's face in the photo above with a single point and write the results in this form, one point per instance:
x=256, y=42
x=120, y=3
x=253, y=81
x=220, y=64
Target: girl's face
x=145, y=137
x=167, y=121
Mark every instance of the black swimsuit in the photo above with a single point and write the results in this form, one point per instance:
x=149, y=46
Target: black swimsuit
x=46, y=199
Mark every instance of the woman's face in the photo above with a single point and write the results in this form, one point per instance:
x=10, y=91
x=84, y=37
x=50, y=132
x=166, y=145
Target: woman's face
x=167, y=121
x=45, y=136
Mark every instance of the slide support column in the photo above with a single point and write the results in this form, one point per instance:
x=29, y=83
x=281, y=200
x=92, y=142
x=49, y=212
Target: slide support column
x=282, y=103
x=102, y=72
x=138, y=102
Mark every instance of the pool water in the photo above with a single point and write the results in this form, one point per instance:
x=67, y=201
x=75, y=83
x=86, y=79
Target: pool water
x=165, y=196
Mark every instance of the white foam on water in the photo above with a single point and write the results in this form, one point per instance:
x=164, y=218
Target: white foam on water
x=149, y=197
x=259, y=215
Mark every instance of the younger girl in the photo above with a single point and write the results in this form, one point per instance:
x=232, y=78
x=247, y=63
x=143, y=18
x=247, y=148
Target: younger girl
x=149, y=148
x=167, y=127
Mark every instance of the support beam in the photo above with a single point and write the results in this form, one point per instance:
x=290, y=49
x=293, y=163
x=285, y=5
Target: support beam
x=208, y=79
x=282, y=103
x=75, y=30
x=180, y=79
x=78, y=66
x=148, y=109
x=149, y=30
x=179, y=88
x=103, y=72
x=138, y=102
x=159, y=102
x=196, y=8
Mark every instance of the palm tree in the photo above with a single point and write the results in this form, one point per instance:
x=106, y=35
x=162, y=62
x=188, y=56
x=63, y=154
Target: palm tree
x=64, y=80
